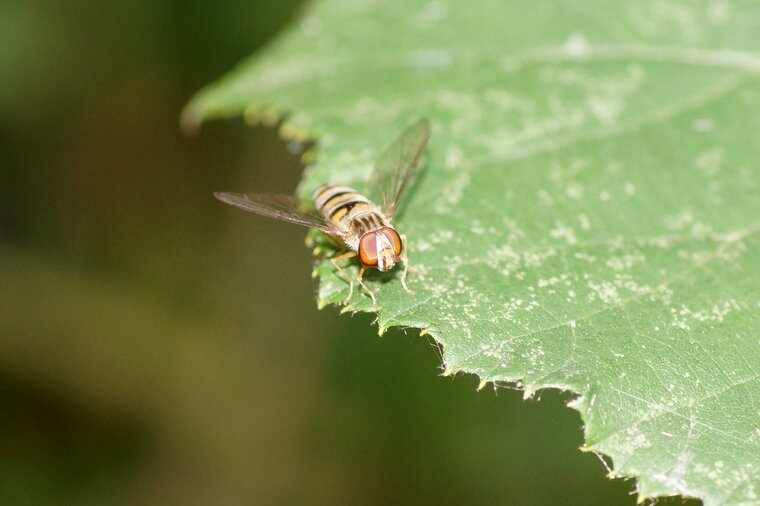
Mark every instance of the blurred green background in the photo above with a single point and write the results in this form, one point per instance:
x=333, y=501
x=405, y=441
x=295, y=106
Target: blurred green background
x=158, y=347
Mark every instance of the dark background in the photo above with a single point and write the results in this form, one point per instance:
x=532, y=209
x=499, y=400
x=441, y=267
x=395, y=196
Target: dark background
x=158, y=347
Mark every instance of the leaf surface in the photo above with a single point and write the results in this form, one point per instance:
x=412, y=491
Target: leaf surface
x=587, y=216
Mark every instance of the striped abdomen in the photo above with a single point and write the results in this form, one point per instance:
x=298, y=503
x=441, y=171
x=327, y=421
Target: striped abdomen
x=348, y=210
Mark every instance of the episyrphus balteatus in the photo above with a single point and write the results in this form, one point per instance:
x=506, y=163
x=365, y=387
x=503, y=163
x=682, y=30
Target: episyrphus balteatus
x=361, y=227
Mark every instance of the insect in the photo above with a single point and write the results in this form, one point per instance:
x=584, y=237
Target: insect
x=357, y=224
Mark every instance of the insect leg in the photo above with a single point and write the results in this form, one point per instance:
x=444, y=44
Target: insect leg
x=366, y=289
x=405, y=260
x=343, y=273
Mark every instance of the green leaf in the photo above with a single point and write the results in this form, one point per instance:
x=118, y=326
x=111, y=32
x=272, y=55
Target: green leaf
x=588, y=213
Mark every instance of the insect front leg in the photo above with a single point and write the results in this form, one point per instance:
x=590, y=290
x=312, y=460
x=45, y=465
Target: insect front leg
x=343, y=273
x=405, y=260
x=366, y=289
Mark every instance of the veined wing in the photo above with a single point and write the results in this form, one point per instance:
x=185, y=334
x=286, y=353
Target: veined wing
x=397, y=165
x=281, y=207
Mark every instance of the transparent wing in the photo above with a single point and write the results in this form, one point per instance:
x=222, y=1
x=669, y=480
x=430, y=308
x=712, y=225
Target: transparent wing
x=281, y=207
x=397, y=165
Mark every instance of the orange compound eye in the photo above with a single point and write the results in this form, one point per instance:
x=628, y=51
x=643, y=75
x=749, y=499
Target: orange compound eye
x=368, y=250
x=394, y=238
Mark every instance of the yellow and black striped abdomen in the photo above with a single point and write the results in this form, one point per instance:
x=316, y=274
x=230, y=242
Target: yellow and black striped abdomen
x=339, y=204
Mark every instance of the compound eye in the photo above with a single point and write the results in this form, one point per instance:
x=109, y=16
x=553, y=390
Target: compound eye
x=394, y=238
x=368, y=250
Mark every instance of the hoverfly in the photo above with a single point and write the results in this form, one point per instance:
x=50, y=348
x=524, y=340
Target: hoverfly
x=358, y=225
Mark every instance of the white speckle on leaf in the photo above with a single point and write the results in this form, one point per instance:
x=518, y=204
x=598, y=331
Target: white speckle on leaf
x=535, y=258
x=438, y=237
x=515, y=233
x=604, y=291
x=703, y=125
x=453, y=158
x=605, y=109
x=545, y=198
x=661, y=241
x=659, y=18
x=700, y=229
x=563, y=174
x=683, y=317
x=574, y=191
x=452, y=192
x=585, y=256
x=576, y=45
x=326, y=141
x=477, y=228
x=431, y=14
x=674, y=478
x=719, y=11
x=634, y=441
x=427, y=58
x=584, y=221
x=626, y=261
x=562, y=231
x=459, y=103
x=710, y=161
x=679, y=221
x=504, y=101
x=422, y=245
x=562, y=278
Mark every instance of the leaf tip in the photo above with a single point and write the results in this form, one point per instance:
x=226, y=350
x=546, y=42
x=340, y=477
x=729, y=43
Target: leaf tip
x=269, y=118
x=252, y=116
x=290, y=132
x=481, y=385
x=447, y=372
x=308, y=157
x=190, y=121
